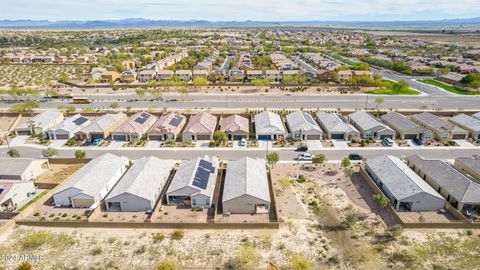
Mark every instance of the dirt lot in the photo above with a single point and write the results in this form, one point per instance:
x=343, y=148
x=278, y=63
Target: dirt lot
x=172, y=213
x=6, y=122
x=106, y=216
x=58, y=173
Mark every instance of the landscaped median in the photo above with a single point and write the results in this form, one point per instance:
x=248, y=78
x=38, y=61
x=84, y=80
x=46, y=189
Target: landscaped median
x=449, y=88
x=393, y=88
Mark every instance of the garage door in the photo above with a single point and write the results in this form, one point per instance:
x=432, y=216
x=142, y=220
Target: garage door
x=62, y=137
x=155, y=137
x=314, y=137
x=458, y=136
x=203, y=137
x=386, y=136
x=119, y=137
x=340, y=136
x=96, y=136
x=264, y=137
x=410, y=136
x=82, y=203
x=239, y=137
x=24, y=132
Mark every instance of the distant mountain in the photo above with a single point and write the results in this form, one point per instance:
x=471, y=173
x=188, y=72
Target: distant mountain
x=139, y=22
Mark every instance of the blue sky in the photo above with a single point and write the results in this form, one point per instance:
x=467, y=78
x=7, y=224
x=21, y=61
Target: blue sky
x=266, y=10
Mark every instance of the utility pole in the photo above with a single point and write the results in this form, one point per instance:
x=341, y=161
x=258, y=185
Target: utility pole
x=8, y=144
x=366, y=102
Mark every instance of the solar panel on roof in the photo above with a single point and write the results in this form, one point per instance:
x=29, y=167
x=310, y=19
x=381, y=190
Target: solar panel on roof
x=207, y=165
x=145, y=115
x=176, y=121
x=79, y=121
x=201, y=178
x=140, y=120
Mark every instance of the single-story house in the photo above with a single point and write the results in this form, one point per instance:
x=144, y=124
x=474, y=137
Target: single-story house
x=14, y=194
x=369, y=127
x=66, y=129
x=405, y=190
x=254, y=75
x=128, y=76
x=140, y=187
x=194, y=183
x=302, y=126
x=147, y=75
x=273, y=75
x=476, y=115
x=109, y=76
x=40, y=123
x=269, y=126
x=455, y=186
x=405, y=128
x=468, y=123
x=184, y=75
x=442, y=129
x=235, y=126
x=469, y=165
x=134, y=128
x=164, y=74
x=236, y=75
x=91, y=184
x=200, y=127
x=102, y=126
x=451, y=78
x=167, y=127
x=246, y=189
x=336, y=128
x=22, y=169
x=200, y=73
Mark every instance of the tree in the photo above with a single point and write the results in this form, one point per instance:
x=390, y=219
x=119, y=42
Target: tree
x=380, y=200
x=67, y=109
x=25, y=107
x=50, y=152
x=379, y=101
x=140, y=92
x=200, y=82
x=321, y=158
x=273, y=158
x=80, y=154
x=346, y=162
x=220, y=137
x=258, y=83
x=13, y=153
x=183, y=91
x=114, y=105
x=377, y=77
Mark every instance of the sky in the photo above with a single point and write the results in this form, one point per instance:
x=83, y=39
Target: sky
x=240, y=10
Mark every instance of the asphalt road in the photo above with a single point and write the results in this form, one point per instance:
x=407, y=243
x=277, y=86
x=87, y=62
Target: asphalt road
x=285, y=154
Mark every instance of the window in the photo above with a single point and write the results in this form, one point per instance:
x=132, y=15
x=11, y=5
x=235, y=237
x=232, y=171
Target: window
x=207, y=201
x=445, y=136
x=368, y=134
x=194, y=202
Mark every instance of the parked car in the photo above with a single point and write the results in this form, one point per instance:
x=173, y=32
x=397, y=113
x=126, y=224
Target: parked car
x=243, y=142
x=302, y=147
x=97, y=141
x=417, y=141
x=354, y=156
x=387, y=142
x=304, y=157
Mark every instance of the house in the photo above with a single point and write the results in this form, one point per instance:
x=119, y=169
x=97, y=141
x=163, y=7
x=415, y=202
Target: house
x=470, y=165
x=66, y=129
x=22, y=169
x=456, y=187
x=14, y=194
x=269, y=126
x=128, y=64
x=302, y=126
x=147, y=75
x=200, y=127
x=476, y=115
x=405, y=190
x=194, y=183
x=254, y=75
x=468, y=123
x=273, y=75
x=336, y=128
x=140, y=187
x=167, y=127
x=442, y=130
x=451, y=78
x=204, y=65
x=109, y=76
x=91, y=184
x=164, y=74
x=40, y=123
x=96, y=73
x=102, y=126
x=134, y=128
x=246, y=188
x=128, y=76
x=184, y=75
x=200, y=73
x=235, y=75
x=369, y=127
x=236, y=127
x=405, y=128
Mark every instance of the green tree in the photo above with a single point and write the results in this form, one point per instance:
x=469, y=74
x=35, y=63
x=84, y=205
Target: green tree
x=13, y=153
x=67, y=109
x=321, y=158
x=380, y=200
x=80, y=154
x=114, y=105
x=200, y=82
x=26, y=107
x=183, y=91
x=273, y=158
x=258, y=83
x=140, y=92
x=50, y=152
x=346, y=162
x=220, y=137
x=379, y=101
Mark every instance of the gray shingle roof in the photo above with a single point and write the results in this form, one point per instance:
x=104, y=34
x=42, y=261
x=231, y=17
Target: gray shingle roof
x=269, y=122
x=366, y=121
x=466, y=121
x=400, y=180
x=14, y=166
x=333, y=123
x=400, y=123
x=144, y=178
x=104, y=123
x=246, y=176
x=302, y=121
x=72, y=124
x=470, y=163
x=476, y=115
x=434, y=122
x=461, y=187
x=42, y=119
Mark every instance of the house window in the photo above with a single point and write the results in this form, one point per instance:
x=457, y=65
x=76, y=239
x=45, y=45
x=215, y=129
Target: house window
x=445, y=136
x=207, y=201
x=194, y=202
x=368, y=134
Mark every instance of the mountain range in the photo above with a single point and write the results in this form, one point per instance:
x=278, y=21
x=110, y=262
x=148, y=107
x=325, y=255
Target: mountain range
x=139, y=22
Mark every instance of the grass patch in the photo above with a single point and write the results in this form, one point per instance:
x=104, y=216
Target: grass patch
x=388, y=89
x=449, y=88
x=38, y=197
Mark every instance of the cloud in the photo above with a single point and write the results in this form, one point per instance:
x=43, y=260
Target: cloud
x=265, y=10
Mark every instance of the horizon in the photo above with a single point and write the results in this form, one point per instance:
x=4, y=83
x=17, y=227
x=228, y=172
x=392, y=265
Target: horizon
x=247, y=10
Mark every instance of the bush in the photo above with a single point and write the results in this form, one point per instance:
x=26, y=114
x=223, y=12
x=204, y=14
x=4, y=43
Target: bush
x=167, y=265
x=177, y=235
x=96, y=251
x=396, y=230
x=25, y=266
x=158, y=237
x=246, y=256
x=300, y=262
x=380, y=200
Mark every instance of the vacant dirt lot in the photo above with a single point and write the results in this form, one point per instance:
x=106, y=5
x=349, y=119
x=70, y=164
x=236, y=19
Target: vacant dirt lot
x=58, y=173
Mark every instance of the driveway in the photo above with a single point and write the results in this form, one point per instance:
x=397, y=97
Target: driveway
x=340, y=144
x=153, y=144
x=236, y=145
x=57, y=143
x=116, y=144
x=19, y=140
x=201, y=144
x=314, y=145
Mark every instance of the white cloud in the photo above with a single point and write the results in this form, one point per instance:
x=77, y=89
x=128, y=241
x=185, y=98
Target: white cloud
x=278, y=10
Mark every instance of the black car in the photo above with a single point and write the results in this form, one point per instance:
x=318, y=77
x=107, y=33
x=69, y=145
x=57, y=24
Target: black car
x=355, y=157
x=417, y=141
x=302, y=147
